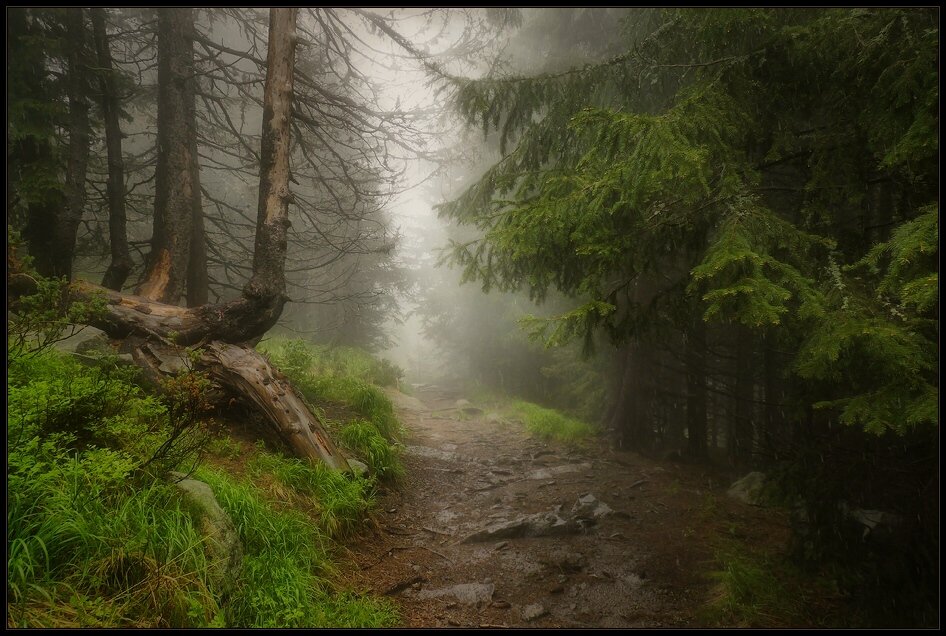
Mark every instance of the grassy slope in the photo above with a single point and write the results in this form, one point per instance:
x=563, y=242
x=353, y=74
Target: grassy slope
x=97, y=538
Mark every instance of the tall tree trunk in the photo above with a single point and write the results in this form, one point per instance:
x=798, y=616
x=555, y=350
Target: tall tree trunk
x=35, y=202
x=197, y=281
x=120, y=265
x=269, y=253
x=631, y=417
x=740, y=446
x=696, y=388
x=67, y=228
x=175, y=186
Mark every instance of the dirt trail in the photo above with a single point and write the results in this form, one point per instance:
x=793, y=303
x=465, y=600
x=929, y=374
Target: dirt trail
x=641, y=564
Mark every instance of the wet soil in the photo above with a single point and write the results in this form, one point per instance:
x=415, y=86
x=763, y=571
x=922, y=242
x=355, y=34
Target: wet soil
x=643, y=564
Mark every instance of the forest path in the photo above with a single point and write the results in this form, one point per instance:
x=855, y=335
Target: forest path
x=642, y=564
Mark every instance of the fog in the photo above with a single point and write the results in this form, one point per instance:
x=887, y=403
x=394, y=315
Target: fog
x=626, y=317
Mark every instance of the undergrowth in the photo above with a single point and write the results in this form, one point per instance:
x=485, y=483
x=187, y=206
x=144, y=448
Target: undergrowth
x=287, y=560
x=98, y=538
x=298, y=355
x=760, y=590
x=550, y=424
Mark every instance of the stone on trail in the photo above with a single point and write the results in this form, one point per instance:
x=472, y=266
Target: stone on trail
x=590, y=509
x=534, y=611
x=748, y=490
x=406, y=402
x=430, y=453
x=540, y=524
x=548, y=473
x=465, y=593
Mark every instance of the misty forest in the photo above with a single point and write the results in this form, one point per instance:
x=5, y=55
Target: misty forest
x=472, y=317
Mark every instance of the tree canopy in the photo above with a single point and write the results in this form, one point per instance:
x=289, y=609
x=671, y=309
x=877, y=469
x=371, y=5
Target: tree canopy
x=776, y=169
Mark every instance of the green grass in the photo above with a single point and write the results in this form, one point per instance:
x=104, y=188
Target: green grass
x=86, y=552
x=342, y=501
x=288, y=560
x=96, y=541
x=225, y=446
x=325, y=360
x=363, y=438
x=550, y=424
x=365, y=399
x=760, y=590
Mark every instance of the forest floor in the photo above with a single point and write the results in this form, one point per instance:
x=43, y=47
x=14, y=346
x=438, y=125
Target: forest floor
x=455, y=544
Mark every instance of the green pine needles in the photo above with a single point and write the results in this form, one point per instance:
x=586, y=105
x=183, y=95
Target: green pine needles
x=727, y=153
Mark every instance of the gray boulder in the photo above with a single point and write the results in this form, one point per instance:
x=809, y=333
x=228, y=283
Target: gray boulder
x=223, y=543
x=358, y=468
x=588, y=509
x=748, y=490
x=96, y=343
x=541, y=524
x=465, y=593
x=877, y=524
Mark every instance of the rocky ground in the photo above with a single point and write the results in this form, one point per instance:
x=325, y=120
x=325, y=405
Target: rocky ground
x=492, y=527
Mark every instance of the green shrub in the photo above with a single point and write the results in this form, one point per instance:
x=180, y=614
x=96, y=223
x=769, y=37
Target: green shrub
x=101, y=407
x=37, y=321
x=93, y=539
x=551, y=424
x=97, y=539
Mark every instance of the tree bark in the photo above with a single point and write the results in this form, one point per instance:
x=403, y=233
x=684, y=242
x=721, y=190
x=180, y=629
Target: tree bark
x=696, y=388
x=631, y=418
x=120, y=266
x=197, y=279
x=198, y=289
x=66, y=230
x=269, y=254
x=175, y=186
x=740, y=443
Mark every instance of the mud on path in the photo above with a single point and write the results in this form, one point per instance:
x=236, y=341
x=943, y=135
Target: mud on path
x=492, y=527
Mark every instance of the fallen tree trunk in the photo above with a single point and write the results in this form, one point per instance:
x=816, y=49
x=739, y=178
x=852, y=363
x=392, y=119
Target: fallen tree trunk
x=240, y=320
x=242, y=372
x=247, y=373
